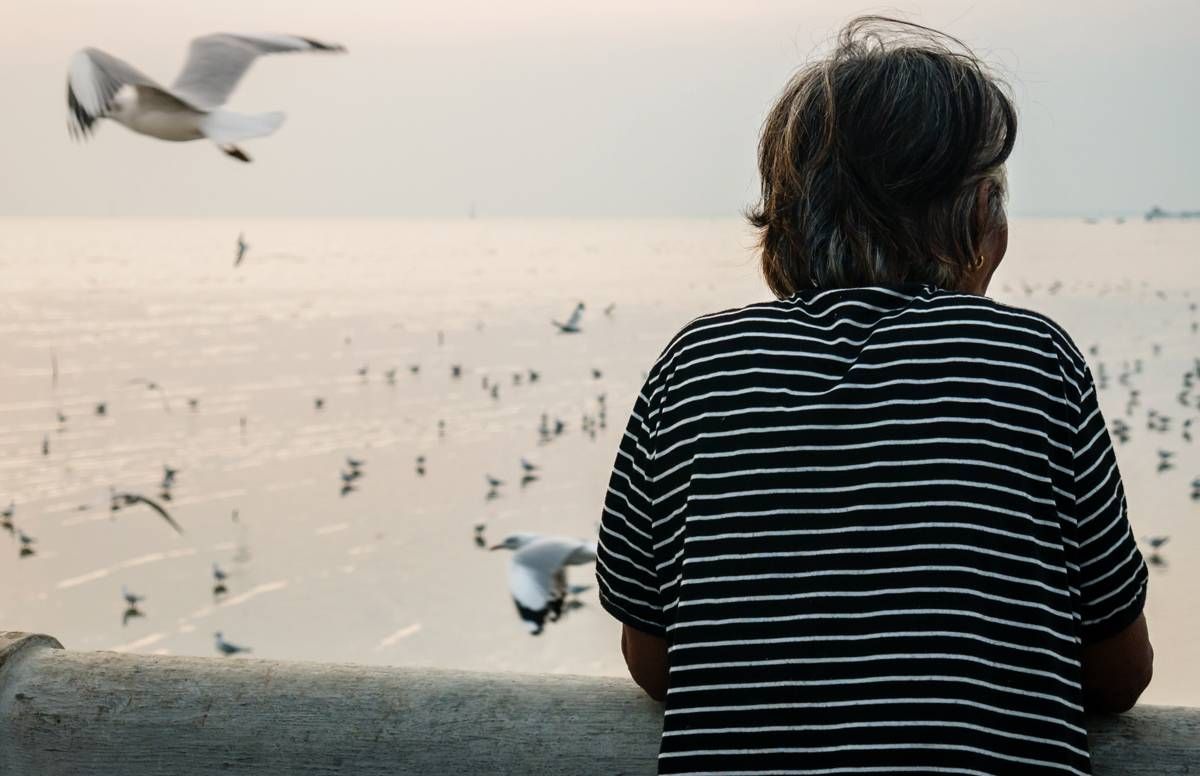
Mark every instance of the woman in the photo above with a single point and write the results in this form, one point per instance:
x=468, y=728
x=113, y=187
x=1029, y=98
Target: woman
x=876, y=526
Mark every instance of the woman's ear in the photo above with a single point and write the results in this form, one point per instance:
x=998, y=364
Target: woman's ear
x=991, y=223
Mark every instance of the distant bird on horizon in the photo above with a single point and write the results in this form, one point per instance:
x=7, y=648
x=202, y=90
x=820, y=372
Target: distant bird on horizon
x=537, y=575
x=120, y=500
x=572, y=324
x=226, y=648
x=100, y=86
x=242, y=247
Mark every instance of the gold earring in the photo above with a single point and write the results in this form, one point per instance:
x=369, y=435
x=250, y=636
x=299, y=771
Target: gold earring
x=977, y=263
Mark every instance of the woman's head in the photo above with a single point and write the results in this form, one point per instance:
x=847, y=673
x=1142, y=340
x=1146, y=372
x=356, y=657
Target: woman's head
x=884, y=164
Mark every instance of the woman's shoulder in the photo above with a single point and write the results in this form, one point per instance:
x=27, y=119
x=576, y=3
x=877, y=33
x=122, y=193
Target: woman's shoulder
x=718, y=326
x=1016, y=318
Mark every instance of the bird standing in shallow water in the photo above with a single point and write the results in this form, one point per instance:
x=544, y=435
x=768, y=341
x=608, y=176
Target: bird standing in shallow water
x=219, y=577
x=1156, y=542
x=242, y=247
x=27, y=543
x=131, y=599
x=226, y=648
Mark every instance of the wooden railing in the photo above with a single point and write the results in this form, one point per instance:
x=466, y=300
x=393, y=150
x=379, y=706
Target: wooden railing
x=96, y=713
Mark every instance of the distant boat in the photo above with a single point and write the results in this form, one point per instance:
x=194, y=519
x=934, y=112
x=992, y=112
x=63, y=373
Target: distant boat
x=1155, y=213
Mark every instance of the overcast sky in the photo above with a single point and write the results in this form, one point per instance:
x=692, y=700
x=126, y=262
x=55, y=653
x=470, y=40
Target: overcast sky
x=564, y=108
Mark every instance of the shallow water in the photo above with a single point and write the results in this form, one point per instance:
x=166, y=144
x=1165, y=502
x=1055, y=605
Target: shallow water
x=389, y=573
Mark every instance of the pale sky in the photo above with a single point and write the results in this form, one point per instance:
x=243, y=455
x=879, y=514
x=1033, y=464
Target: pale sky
x=565, y=108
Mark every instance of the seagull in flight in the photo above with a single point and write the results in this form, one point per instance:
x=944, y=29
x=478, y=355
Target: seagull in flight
x=242, y=247
x=537, y=575
x=101, y=86
x=119, y=500
x=572, y=324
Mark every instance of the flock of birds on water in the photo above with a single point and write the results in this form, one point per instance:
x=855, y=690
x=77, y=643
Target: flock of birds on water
x=1157, y=422
x=537, y=570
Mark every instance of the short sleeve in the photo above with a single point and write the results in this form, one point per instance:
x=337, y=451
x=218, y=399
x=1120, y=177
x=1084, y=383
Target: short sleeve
x=1111, y=571
x=625, y=568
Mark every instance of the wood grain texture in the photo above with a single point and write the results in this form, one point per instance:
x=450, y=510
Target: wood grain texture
x=66, y=713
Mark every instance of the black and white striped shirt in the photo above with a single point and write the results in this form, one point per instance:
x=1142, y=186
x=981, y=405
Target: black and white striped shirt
x=875, y=526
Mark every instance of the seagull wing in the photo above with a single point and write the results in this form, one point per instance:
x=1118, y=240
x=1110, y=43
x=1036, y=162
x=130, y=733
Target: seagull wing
x=134, y=498
x=584, y=552
x=530, y=588
x=576, y=317
x=535, y=574
x=93, y=79
x=216, y=63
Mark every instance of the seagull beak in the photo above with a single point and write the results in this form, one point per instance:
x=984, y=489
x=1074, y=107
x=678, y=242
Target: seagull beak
x=496, y=547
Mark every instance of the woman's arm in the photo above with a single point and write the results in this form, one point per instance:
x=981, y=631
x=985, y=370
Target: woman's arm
x=646, y=657
x=1117, y=669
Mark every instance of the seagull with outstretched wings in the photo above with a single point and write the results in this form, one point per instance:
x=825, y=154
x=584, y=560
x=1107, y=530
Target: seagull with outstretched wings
x=101, y=86
x=121, y=499
x=572, y=324
x=537, y=576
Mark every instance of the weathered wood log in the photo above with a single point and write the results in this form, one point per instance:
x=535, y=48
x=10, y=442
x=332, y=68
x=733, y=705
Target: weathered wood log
x=64, y=713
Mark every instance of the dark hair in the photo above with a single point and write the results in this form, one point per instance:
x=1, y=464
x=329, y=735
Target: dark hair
x=872, y=162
